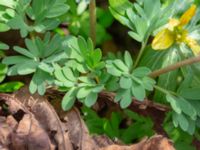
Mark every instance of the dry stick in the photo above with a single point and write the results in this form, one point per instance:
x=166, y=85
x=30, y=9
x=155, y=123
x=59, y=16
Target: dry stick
x=145, y=104
x=92, y=9
x=175, y=66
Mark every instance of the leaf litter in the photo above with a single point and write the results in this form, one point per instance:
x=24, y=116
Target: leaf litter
x=31, y=122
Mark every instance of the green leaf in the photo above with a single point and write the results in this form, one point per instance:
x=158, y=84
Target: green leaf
x=120, y=6
x=83, y=92
x=82, y=45
x=105, y=18
x=139, y=11
x=192, y=127
x=152, y=59
x=148, y=83
x=125, y=82
x=98, y=88
x=141, y=72
x=8, y=3
x=3, y=46
x=52, y=46
x=39, y=81
x=150, y=7
x=135, y=36
x=32, y=47
x=187, y=108
x=97, y=55
x=3, y=71
x=23, y=52
x=191, y=93
x=69, y=99
x=13, y=70
x=128, y=59
x=59, y=73
x=4, y=27
x=41, y=89
x=181, y=120
x=108, y=129
x=68, y=84
x=115, y=121
x=87, y=80
x=18, y=23
x=119, y=95
x=112, y=84
x=112, y=69
x=120, y=65
x=174, y=103
x=45, y=67
x=55, y=57
x=14, y=60
x=168, y=80
x=91, y=99
x=10, y=86
x=69, y=73
x=57, y=10
x=121, y=18
x=46, y=25
x=138, y=91
x=27, y=67
x=126, y=99
x=32, y=87
x=81, y=7
x=90, y=44
x=196, y=106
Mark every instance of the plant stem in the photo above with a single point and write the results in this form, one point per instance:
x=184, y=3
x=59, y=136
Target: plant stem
x=175, y=66
x=92, y=9
x=140, y=54
x=161, y=89
x=32, y=35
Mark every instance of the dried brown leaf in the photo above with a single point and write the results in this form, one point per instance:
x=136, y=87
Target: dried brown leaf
x=47, y=117
x=102, y=140
x=5, y=132
x=29, y=135
x=78, y=132
x=156, y=142
x=32, y=123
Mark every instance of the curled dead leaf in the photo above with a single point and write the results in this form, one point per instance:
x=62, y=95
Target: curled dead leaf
x=29, y=135
x=78, y=131
x=30, y=122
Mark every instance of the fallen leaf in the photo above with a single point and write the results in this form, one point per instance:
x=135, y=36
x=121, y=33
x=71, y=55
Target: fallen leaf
x=30, y=122
x=156, y=142
x=47, y=117
x=29, y=135
x=5, y=132
x=78, y=132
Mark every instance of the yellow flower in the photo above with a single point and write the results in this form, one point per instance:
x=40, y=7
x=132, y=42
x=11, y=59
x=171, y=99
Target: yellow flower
x=175, y=32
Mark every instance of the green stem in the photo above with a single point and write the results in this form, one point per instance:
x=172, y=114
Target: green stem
x=140, y=54
x=164, y=90
x=92, y=9
x=161, y=89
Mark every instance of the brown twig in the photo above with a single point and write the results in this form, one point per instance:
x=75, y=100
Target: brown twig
x=175, y=66
x=92, y=9
x=146, y=103
x=111, y=96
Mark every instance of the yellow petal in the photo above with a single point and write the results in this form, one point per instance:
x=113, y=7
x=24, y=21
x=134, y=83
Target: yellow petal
x=163, y=40
x=173, y=23
x=187, y=16
x=195, y=47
